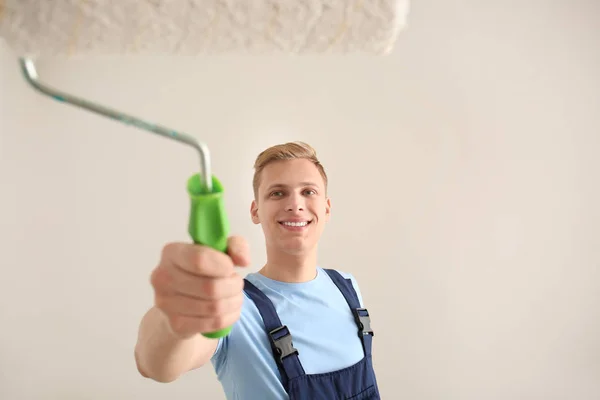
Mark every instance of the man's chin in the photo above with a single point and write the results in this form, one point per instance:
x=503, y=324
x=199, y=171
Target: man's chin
x=296, y=247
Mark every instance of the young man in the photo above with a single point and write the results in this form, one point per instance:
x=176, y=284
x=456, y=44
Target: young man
x=299, y=331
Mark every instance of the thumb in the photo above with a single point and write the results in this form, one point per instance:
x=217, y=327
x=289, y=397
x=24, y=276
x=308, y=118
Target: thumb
x=239, y=250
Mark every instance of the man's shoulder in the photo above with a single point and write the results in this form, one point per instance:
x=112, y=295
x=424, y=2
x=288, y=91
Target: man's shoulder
x=353, y=280
x=345, y=274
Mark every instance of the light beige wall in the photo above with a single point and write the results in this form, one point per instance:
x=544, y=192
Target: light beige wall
x=465, y=185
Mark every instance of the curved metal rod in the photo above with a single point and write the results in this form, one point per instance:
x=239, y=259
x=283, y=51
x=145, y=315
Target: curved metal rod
x=31, y=75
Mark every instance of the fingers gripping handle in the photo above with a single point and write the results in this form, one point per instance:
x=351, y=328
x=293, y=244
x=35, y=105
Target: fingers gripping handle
x=208, y=225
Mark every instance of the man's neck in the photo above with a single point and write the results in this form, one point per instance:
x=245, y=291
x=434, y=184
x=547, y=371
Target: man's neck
x=290, y=268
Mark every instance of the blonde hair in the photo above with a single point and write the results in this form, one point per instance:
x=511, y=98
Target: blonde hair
x=286, y=151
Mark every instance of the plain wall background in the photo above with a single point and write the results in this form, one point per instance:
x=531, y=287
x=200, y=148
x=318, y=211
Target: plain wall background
x=464, y=181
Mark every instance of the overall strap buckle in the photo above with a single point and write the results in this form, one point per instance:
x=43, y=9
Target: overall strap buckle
x=363, y=321
x=283, y=344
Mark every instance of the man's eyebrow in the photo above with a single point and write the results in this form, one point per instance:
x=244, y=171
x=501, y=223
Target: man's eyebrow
x=282, y=185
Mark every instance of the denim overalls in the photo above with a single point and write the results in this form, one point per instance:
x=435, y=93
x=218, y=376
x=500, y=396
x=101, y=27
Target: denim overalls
x=356, y=382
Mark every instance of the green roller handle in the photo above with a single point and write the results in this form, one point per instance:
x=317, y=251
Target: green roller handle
x=208, y=225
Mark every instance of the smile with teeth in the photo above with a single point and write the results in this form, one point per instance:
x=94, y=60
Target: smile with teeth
x=295, y=224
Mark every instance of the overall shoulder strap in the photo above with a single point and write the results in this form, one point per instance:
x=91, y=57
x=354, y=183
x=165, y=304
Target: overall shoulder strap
x=361, y=315
x=280, y=338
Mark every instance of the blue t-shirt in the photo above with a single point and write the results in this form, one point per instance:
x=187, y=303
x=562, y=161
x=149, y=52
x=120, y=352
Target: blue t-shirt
x=322, y=327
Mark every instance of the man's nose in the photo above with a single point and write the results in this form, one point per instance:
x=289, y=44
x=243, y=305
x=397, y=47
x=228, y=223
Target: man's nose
x=296, y=203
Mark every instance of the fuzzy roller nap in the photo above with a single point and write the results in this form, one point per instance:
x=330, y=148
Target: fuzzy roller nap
x=62, y=28
x=192, y=27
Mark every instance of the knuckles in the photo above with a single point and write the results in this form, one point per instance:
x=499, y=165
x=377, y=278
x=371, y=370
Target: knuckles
x=160, y=278
x=215, y=308
x=214, y=311
x=210, y=289
x=161, y=302
x=178, y=324
x=169, y=250
x=219, y=322
x=200, y=259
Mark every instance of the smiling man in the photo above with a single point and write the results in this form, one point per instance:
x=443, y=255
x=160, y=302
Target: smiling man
x=299, y=330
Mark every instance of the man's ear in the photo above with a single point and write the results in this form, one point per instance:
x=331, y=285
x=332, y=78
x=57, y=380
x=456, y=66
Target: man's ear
x=254, y=212
x=328, y=209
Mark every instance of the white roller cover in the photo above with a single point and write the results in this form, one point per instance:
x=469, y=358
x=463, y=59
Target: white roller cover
x=194, y=27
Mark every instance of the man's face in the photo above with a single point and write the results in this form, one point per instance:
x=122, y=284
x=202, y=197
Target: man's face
x=291, y=205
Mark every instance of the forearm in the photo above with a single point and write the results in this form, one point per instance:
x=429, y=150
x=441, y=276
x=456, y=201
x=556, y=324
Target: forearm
x=162, y=356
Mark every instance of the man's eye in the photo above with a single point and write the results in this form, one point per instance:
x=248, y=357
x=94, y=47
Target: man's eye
x=278, y=193
x=310, y=191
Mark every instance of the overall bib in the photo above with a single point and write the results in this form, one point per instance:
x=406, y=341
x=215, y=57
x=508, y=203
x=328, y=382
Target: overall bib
x=356, y=382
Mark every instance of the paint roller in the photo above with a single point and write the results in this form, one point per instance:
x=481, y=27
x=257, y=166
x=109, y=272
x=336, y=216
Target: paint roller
x=75, y=28
x=200, y=27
